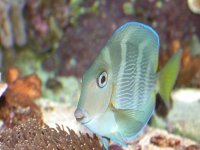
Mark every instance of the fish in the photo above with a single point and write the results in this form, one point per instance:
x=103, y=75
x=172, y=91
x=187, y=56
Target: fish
x=118, y=90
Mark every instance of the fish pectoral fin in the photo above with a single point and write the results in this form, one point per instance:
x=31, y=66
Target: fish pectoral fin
x=128, y=122
x=168, y=75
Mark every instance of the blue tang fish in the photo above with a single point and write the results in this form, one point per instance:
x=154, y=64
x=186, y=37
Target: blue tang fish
x=118, y=90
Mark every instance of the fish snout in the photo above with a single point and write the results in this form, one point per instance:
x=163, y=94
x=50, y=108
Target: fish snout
x=79, y=114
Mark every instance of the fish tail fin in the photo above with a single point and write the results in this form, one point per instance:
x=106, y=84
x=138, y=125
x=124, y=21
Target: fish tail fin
x=168, y=75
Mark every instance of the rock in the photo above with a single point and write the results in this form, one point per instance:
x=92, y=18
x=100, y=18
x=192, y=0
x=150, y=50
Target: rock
x=157, y=139
x=183, y=117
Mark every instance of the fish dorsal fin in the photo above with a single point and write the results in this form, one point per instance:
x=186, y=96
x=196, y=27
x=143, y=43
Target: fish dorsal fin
x=134, y=53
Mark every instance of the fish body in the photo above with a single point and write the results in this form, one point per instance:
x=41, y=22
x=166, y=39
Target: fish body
x=118, y=90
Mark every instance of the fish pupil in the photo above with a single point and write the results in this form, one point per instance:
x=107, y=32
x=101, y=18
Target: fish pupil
x=103, y=79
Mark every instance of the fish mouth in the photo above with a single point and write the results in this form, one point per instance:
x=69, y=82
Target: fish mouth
x=88, y=119
x=85, y=121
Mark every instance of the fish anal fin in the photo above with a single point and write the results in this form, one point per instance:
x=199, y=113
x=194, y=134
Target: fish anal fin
x=127, y=122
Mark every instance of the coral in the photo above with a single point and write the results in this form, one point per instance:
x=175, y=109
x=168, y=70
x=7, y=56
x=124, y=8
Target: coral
x=92, y=33
x=17, y=103
x=163, y=141
x=12, y=75
x=54, y=87
x=115, y=147
x=18, y=22
x=194, y=45
x=12, y=23
x=169, y=24
x=41, y=21
x=89, y=38
x=31, y=135
x=6, y=36
x=189, y=74
x=58, y=89
x=128, y=8
x=31, y=84
x=61, y=32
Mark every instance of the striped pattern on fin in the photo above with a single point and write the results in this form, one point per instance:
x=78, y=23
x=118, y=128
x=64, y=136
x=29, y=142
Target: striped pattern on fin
x=136, y=77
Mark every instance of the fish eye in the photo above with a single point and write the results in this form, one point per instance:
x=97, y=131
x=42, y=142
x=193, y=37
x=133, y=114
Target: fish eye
x=102, y=79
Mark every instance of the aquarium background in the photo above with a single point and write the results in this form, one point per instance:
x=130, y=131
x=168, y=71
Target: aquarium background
x=45, y=47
